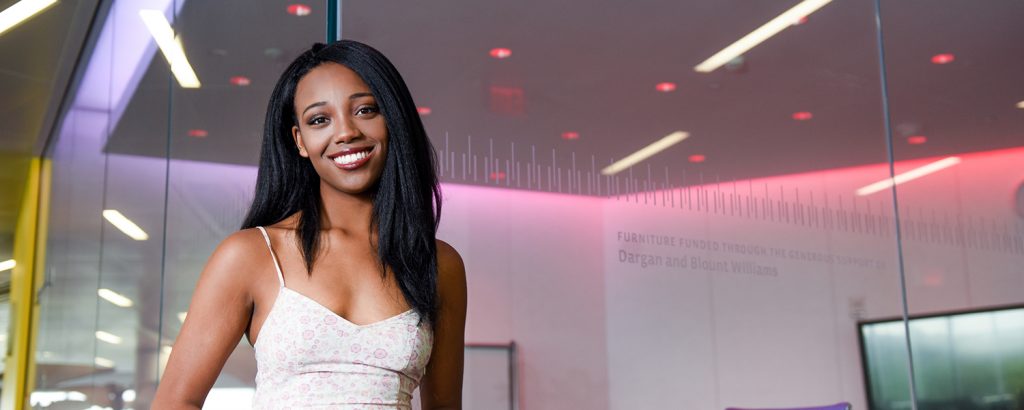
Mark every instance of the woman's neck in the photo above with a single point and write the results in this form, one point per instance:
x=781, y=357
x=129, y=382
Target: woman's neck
x=347, y=213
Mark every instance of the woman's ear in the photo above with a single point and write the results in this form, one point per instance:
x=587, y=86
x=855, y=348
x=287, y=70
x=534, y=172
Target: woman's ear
x=298, y=141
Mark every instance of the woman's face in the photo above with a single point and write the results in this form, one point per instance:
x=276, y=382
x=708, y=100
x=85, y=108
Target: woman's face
x=340, y=128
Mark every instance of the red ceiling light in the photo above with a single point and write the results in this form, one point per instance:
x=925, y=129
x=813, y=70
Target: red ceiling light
x=917, y=140
x=299, y=10
x=802, y=115
x=423, y=110
x=945, y=58
x=570, y=135
x=498, y=176
x=197, y=133
x=697, y=158
x=240, y=81
x=501, y=53
x=665, y=87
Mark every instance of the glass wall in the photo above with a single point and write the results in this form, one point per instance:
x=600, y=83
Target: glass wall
x=958, y=120
x=754, y=258
x=143, y=176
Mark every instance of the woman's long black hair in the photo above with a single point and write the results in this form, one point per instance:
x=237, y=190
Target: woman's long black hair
x=407, y=198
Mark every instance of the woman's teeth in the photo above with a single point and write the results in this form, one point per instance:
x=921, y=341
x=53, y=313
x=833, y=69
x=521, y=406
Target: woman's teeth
x=351, y=158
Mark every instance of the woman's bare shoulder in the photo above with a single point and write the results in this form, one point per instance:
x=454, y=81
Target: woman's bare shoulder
x=451, y=269
x=236, y=257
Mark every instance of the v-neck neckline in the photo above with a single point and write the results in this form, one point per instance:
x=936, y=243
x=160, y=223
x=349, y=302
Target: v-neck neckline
x=340, y=317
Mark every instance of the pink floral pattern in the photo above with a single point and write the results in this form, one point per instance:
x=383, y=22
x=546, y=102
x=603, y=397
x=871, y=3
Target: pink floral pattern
x=327, y=362
x=309, y=357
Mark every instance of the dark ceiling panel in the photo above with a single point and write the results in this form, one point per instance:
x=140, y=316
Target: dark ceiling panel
x=592, y=70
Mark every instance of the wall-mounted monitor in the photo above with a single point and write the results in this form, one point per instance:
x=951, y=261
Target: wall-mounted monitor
x=964, y=361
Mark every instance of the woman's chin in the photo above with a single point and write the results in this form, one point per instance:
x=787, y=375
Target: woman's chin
x=354, y=188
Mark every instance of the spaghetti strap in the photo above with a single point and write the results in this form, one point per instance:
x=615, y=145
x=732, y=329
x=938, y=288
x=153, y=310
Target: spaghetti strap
x=280, y=276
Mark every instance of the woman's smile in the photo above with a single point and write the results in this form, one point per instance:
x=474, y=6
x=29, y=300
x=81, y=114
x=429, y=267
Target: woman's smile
x=351, y=159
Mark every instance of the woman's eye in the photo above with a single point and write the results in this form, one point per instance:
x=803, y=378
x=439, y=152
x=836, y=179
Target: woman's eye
x=366, y=110
x=317, y=120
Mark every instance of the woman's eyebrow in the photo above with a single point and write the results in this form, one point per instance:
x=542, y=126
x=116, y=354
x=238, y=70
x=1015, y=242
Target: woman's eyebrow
x=351, y=97
x=316, y=104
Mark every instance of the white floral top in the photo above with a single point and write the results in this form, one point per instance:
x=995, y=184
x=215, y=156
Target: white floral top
x=309, y=357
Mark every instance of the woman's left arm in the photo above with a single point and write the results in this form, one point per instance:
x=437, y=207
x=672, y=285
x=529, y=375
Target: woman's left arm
x=441, y=387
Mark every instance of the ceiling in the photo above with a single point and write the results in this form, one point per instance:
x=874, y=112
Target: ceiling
x=592, y=70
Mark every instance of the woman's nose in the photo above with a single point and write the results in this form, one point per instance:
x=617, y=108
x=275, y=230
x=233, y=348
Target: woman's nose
x=346, y=132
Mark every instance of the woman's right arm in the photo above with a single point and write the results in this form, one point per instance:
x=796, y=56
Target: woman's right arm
x=217, y=318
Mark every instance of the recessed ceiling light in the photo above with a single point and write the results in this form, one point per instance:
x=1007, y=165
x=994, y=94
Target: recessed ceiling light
x=21, y=11
x=570, y=135
x=114, y=297
x=909, y=175
x=7, y=265
x=1020, y=105
x=665, y=87
x=170, y=46
x=299, y=10
x=917, y=139
x=645, y=152
x=198, y=133
x=108, y=337
x=501, y=53
x=769, y=29
x=945, y=58
x=125, y=225
x=423, y=110
x=802, y=115
x=697, y=158
x=240, y=81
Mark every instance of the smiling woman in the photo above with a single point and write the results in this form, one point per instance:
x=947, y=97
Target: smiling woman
x=345, y=275
x=343, y=128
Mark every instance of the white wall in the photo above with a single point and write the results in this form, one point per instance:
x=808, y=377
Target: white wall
x=535, y=276
x=598, y=332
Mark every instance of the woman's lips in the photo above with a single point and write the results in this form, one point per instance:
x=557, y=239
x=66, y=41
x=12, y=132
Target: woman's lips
x=358, y=163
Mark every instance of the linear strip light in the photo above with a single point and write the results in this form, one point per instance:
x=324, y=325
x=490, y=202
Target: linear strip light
x=21, y=11
x=125, y=225
x=103, y=362
x=909, y=175
x=114, y=297
x=769, y=29
x=170, y=46
x=645, y=152
x=7, y=265
x=108, y=337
